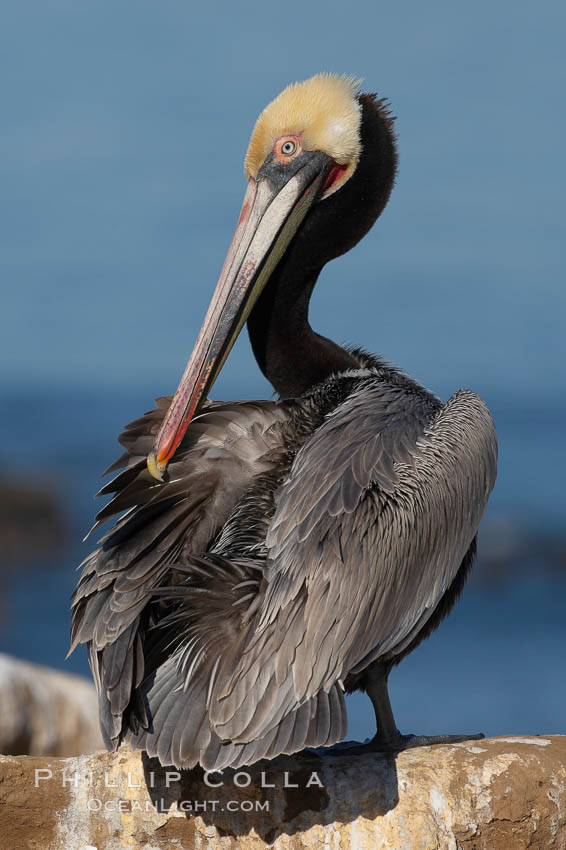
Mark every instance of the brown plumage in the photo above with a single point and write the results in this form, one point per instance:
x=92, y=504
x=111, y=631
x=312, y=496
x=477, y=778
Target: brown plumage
x=294, y=549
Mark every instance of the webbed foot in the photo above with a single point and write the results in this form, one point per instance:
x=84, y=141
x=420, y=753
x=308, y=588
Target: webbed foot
x=400, y=742
x=397, y=743
x=428, y=740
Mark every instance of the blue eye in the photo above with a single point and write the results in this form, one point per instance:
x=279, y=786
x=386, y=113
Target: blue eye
x=288, y=148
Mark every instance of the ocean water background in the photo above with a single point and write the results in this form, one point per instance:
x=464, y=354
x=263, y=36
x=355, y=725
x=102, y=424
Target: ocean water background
x=123, y=133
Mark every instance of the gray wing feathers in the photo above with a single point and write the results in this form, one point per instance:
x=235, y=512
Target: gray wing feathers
x=379, y=508
x=166, y=523
x=361, y=566
x=358, y=444
x=181, y=733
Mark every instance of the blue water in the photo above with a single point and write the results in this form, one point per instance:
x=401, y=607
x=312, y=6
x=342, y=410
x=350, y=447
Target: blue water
x=496, y=665
x=123, y=136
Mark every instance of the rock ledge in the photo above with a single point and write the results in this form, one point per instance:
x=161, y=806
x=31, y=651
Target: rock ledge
x=494, y=794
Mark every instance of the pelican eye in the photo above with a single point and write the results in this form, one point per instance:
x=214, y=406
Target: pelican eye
x=288, y=148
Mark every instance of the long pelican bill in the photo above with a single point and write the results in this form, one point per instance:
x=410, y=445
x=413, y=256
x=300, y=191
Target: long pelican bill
x=274, y=206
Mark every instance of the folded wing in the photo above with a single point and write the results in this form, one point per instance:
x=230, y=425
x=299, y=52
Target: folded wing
x=370, y=529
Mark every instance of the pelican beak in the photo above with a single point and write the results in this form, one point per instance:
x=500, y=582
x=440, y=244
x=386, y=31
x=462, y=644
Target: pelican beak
x=274, y=206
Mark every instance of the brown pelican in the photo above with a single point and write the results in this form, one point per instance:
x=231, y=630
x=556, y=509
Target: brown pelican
x=276, y=554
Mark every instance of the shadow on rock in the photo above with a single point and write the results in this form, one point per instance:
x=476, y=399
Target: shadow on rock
x=282, y=796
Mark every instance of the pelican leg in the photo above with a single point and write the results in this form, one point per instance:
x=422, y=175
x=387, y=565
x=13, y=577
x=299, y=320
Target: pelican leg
x=388, y=738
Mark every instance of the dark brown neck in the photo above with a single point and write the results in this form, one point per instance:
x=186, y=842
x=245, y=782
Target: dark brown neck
x=289, y=353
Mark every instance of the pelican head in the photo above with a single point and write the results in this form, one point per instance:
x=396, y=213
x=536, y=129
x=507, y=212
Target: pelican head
x=320, y=114
x=305, y=150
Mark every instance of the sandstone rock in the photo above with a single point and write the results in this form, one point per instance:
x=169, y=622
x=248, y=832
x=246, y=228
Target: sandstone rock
x=46, y=712
x=497, y=794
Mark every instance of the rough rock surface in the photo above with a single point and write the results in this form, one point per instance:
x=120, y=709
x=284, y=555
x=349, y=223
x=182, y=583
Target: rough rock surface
x=493, y=794
x=44, y=712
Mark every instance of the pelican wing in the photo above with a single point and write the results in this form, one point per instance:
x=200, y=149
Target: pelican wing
x=370, y=529
x=164, y=525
